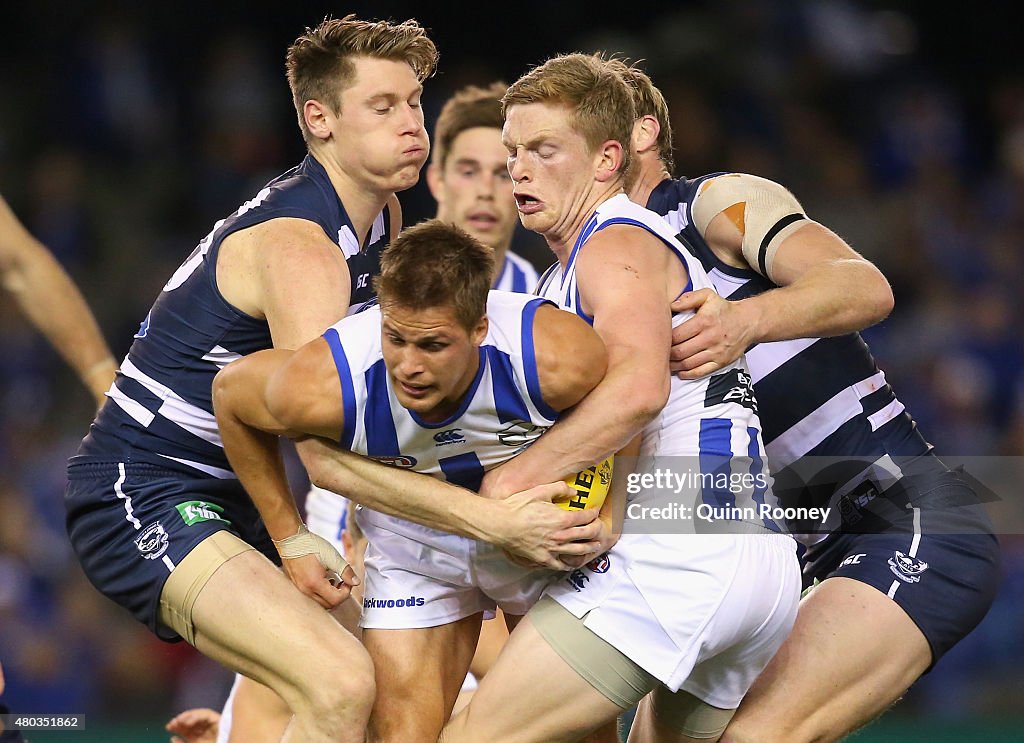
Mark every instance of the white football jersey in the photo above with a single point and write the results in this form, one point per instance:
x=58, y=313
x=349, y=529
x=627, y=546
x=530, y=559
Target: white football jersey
x=709, y=424
x=502, y=412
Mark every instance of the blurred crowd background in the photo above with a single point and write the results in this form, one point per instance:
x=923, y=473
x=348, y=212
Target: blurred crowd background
x=127, y=130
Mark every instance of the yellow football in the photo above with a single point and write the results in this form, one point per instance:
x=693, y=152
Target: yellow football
x=591, y=486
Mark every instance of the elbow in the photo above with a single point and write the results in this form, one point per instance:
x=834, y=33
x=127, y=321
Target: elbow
x=314, y=459
x=886, y=303
x=222, y=389
x=881, y=300
x=648, y=399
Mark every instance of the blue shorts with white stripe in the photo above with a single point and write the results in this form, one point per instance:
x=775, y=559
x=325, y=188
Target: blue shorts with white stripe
x=938, y=560
x=131, y=523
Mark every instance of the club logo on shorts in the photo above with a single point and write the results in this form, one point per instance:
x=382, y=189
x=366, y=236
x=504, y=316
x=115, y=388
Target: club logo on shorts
x=194, y=511
x=152, y=542
x=600, y=564
x=907, y=568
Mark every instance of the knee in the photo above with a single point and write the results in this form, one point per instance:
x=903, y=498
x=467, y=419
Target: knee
x=339, y=684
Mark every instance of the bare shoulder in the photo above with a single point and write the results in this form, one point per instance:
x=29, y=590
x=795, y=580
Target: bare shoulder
x=304, y=393
x=280, y=267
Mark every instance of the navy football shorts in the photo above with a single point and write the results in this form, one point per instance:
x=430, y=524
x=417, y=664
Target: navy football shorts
x=131, y=524
x=938, y=558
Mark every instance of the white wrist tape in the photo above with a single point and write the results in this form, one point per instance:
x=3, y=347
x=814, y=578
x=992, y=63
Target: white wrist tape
x=305, y=543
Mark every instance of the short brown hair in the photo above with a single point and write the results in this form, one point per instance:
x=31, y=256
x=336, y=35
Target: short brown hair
x=649, y=102
x=470, y=107
x=600, y=99
x=319, y=63
x=436, y=264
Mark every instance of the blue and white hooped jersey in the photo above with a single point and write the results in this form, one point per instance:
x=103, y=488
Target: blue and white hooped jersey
x=160, y=409
x=517, y=275
x=502, y=413
x=822, y=397
x=711, y=422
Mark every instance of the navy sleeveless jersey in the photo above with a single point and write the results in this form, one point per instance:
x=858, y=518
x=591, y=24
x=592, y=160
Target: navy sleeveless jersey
x=823, y=397
x=160, y=409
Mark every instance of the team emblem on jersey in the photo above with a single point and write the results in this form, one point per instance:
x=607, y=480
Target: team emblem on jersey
x=401, y=460
x=152, y=542
x=451, y=436
x=519, y=433
x=907, y=568
x=194, y=511
x=733, y=386
x=600, y=564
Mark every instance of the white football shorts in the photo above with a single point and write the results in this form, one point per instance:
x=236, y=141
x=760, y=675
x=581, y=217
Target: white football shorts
x=699, y=612
x=420, y=577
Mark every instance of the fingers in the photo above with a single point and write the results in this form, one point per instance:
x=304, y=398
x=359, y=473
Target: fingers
x=701, y=371
x=692, y=300
x=328, y=596
x=547, y=492
x=312, y=579
x=684, y=353
x=350, y=577
x=579, y=518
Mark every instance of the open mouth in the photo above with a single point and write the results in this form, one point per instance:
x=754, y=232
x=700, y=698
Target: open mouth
x=527, y=204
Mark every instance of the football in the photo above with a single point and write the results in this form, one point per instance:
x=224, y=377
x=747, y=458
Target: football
x=591, y=486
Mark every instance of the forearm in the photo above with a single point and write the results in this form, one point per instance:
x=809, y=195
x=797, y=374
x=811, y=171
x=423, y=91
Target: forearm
x=250, y=436
x=256, y=459
x=53, y=304
x=603, y=423
x=831, y=298
x=415, y=497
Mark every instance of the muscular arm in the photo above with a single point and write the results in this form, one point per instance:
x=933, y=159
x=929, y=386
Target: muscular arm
x=825, y=287
x=249, y=432
x=526, y=524
x=53, y=304
x=624, y=275
x=277, y=392
x=571, y=357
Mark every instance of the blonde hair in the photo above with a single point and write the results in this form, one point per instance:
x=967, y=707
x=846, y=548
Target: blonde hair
x=649, y=102
x=600, y=100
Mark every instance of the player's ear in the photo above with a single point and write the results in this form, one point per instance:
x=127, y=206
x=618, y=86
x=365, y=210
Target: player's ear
x=480, y=331
x=609, y=161
x=434, y=183
x=317, y=117
x=645, y=133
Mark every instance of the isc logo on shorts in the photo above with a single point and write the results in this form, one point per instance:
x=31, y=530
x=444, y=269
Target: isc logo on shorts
x=392, y=603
